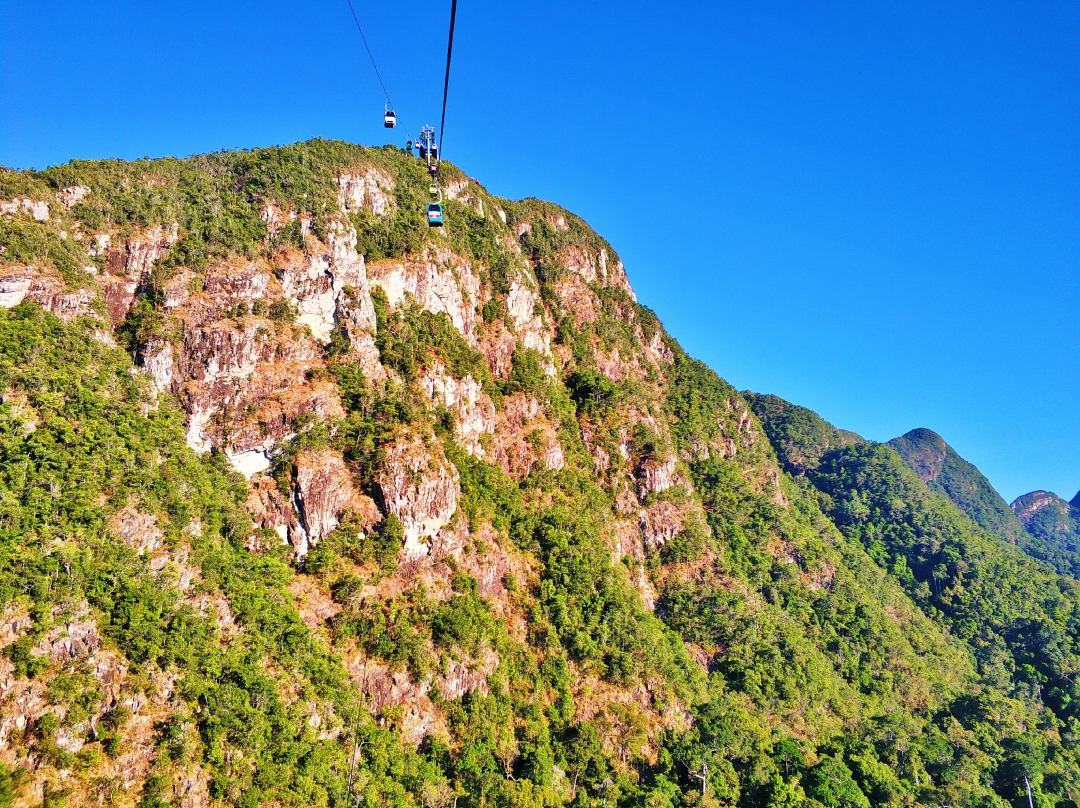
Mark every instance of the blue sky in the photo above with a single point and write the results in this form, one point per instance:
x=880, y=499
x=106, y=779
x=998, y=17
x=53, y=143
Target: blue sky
x=871, y=209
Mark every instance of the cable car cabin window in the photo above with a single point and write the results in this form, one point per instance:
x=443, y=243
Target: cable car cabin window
x=435, y=214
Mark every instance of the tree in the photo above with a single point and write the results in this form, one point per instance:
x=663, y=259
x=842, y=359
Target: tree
x=831, y=783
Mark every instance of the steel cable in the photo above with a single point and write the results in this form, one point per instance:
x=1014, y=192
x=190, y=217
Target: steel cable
x=382, y=84
x=446, y=81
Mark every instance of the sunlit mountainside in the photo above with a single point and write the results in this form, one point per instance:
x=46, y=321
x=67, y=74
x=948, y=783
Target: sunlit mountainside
x=306, y=503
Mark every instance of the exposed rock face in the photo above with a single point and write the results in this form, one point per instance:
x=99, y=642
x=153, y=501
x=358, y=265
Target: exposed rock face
x=314, y=281
x=1049, y=517
x=368, y=191
x=525, y=436
x=387, y=688
x=441, y=282
x=660, y=523
x=523, y=308
x=420, y=487
x=270, y=509
x=158, y=363
x=47, y=290
x=594, y=267
x=70, y=197
x=322, y=488
x=474, y=413
x=138, y=530
x=243, y=379
x=38, y=210
x=128, y=267
x=655, y=475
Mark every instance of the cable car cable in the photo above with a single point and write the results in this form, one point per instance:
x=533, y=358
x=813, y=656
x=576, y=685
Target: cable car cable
x=372, y=58
x=446, y=81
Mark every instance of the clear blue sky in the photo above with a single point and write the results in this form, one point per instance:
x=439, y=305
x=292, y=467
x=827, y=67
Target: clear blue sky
x=871, y=209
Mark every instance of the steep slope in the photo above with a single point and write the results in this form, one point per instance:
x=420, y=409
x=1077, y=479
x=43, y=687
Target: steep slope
x=943, y=470
x=801, y=436
x=303, y=503
x=1020, y=621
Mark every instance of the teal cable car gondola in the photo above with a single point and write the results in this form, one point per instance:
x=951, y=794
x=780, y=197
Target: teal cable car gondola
x=435, y=214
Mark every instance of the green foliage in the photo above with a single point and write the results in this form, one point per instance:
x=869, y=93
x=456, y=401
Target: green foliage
x=10, y=780
x=551, y=230
x=1052, y=530
x=410, y=339
x=96, y=448
x=526, y=373
x=590, y=390
x=831, y=783
x=857, y=639
x=22, y=240
x=799, y=435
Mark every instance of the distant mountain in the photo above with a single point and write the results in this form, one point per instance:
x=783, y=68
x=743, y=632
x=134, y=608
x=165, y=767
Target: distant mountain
x=940, y=467
x=1053, y=523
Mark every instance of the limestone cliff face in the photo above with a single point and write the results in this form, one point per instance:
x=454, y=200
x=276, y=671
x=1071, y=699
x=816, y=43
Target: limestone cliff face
x=247, y=344
x=418, y=486
x=46, y=289
x=1050, y=518
x=243, y=347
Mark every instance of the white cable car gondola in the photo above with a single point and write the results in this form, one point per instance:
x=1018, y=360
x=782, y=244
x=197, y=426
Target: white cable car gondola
x=389, y=117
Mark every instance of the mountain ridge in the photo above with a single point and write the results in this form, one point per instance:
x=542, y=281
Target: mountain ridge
x=302, y=502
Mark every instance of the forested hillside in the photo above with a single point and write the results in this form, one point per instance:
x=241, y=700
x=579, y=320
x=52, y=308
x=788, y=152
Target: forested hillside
x=1054, y=525
x=943, y=470
x=939, y=466
x=305, y=503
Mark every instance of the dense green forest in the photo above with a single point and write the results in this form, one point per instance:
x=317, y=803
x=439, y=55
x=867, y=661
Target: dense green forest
x=646, y=589
x=1048, y=535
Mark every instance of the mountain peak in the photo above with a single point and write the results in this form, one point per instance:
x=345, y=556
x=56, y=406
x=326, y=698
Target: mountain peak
x=924, y=450
x=1039, y=523
x=1050, y=519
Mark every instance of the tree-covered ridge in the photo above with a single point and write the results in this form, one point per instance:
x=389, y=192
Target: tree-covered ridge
x=940, y=467
x=1019, y=620
x=646, y=595
x=801, y=436
x=1054, y=526
x=943, y=470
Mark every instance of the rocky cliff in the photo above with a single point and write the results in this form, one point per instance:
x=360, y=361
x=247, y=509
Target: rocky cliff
x=1053, y=522
x=305, y=503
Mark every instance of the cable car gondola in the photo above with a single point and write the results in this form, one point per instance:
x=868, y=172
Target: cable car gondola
x=389, y=117
x=435, y=214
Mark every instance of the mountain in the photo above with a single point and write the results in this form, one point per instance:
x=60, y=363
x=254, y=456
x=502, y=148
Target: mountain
x=305, y=503
x=943, y=470
x=1053, y=522
x=801, y=436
